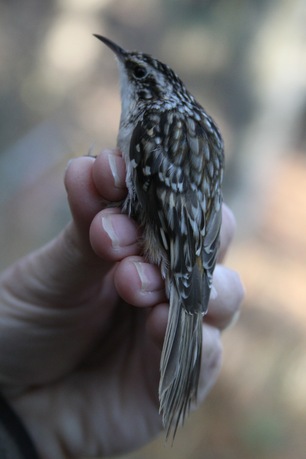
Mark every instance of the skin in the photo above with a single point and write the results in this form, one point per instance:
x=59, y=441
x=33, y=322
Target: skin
x=82, y=322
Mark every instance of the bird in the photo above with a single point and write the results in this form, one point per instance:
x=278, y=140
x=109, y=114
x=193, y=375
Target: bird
x=174, y=155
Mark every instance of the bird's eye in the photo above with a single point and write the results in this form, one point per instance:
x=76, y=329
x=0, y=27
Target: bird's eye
x=140, y=72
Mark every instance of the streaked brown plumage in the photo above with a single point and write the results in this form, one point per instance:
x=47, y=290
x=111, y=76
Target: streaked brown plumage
x=174, y=157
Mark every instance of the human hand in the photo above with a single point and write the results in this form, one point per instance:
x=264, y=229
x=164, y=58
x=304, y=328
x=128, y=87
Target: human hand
x=82, y=322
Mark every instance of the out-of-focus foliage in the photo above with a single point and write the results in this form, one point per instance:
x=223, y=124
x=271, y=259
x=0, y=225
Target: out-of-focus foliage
x=246, y=62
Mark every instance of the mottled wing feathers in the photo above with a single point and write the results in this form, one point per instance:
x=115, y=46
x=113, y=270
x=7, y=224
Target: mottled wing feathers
x=171, y=166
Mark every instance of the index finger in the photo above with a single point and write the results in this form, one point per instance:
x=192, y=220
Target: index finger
x=108, y=175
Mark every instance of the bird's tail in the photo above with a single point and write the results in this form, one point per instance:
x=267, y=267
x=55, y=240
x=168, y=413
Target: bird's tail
x=180, y=363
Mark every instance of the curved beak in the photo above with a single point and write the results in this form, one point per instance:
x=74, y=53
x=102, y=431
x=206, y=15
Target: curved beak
x=120, y=52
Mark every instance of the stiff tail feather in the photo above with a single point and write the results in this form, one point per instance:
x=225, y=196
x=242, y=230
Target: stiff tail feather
x=180, y=364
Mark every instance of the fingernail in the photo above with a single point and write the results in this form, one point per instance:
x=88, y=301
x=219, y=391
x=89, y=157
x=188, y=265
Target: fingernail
x=119, y=179
x=91, y=151
x=108, y=227
x=212, y=351
x=145, y=282
x=212, y=343
x=234, y=320
x=68, y=164
x=121, y=230
x=213, y=293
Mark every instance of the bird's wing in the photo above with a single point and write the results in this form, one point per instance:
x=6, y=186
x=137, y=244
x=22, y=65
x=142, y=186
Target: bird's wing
x=181, y=200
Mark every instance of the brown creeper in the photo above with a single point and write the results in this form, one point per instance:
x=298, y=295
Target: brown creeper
x=174, y=157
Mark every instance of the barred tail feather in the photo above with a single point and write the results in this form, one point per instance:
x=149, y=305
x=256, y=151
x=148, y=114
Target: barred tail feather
x=180, y=364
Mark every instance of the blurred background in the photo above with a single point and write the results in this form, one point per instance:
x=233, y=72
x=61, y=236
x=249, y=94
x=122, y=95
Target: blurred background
x=245, y=61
